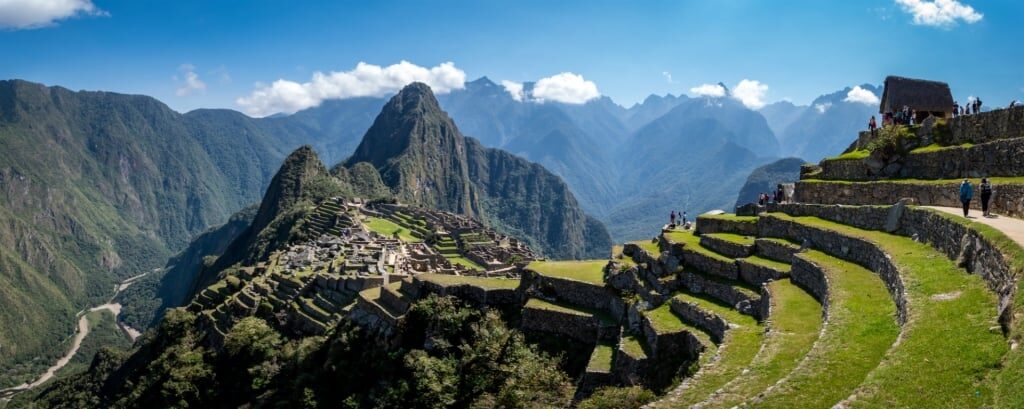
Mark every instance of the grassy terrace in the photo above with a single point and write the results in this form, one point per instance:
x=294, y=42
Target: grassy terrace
x=729, y=216
x=648, y=246
x=794, y=326
x=733, y=238
x=692, y=241
x=601, y=358
x=537, y=303
x=975, y=181
x=589, y=271
x=483, y=282
x=855, y=155
x=390, y=228
x=860, y=329
x=632, y=345
x=465, y=262
x=772, y=264
x=936, y=147
x=739, y=347
x=948, y=334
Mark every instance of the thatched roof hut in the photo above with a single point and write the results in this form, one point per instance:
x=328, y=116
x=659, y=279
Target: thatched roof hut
x=926, y=97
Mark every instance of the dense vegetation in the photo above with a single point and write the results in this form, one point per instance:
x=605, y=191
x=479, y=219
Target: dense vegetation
x=450, y=355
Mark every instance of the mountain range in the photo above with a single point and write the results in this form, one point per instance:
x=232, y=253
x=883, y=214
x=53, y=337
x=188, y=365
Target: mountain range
x=96, y=187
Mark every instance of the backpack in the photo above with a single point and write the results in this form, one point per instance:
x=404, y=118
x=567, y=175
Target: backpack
x=986, y=189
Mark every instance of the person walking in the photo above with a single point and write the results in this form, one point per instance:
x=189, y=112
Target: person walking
x=966, y=194
x=986, y=195
x=873, y=126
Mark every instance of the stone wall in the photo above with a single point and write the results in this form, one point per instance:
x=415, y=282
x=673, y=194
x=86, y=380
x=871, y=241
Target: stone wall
x=724, y=292
x=475, y=295
x=812, y=278
x=852, y=249
x=692, y=313
x=719, y=225
x=583, y=328
x=628, y=369
x=1007, y=199
x=586, y=295
x=987, y=126
x=774, y=250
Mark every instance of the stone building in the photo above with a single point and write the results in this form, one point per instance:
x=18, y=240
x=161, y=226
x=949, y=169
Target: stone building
x=928, y=98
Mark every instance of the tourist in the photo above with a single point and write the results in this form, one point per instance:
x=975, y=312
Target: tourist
x=977, y=105
x=956, y=108
x=780, y=194
x=986, y=194
x=873, y=126
x=966, y=194
x=913, y=117
x=684, y=218
x=672, y=219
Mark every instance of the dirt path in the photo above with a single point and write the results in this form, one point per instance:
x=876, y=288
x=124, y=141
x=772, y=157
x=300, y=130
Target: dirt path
x=81, y=332
x=1012, y=228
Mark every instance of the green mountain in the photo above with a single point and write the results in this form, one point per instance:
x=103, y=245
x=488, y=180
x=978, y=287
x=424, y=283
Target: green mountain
x=96, y=187
x=421, y=155
x=766, y=178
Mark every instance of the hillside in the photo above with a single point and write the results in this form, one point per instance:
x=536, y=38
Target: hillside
x=424, y=158
x=98, y=187
x=765, y=179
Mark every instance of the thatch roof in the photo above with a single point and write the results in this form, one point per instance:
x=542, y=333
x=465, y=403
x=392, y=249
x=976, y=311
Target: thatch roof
x=921, y=95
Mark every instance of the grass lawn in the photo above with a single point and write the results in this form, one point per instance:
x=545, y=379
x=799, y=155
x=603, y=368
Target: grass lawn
x=692, y=241
x=648, y=246
x=772, y=264
x=861, y=328
x=733, y=238
x=795, y=324
x=389, y=228
x=952, y=340
x=633, y=346
x=730, y=217
x=936, y=147
x=483, y=282
x=857, y=154
x=996, y=181
x=601, y=358
x=739, y=347
x=465, y=262
x=665, y=321
x=589, y=271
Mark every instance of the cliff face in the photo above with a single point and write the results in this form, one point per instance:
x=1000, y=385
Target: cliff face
x=421, y=155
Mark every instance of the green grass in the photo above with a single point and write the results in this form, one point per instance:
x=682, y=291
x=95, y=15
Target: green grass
x=692, y=241
x=733, y=238
x=936, y=148
x=665, y=321
x=855, y=155
x=633, y=346
x=539, y=304
x=739, y=347
x=772, y=264
x=389, y=228
x=465, y=262
x=955, y=342
x=483, y=282
x=994, y=180
x=589, y=271
x=794, y=326
x=648, y=246
x=730, y=217
x=601, y=358
x=860, y=329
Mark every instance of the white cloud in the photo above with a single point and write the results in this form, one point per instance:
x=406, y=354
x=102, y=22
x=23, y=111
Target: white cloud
x=363, y=81
x=189, y=81
x=26, y=14
x=821, y=108
x=567, y=88
x=940, y=13
x=861, y=96
x=709, y=90
x=751, y=93
x=668, y=76
x=515, y=89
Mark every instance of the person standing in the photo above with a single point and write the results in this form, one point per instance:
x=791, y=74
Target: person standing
x=956, y=109
x=966, y=194
x=672, y=219
x=873, y=126
x=977, y=106
x=986, y=195
x=684, y=217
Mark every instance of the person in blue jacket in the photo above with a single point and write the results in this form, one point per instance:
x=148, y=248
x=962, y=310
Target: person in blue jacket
x=966, y=194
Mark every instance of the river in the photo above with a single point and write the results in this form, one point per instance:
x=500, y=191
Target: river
x=80, y=334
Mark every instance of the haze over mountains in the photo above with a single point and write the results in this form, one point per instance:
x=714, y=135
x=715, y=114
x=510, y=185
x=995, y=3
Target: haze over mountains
x=100, y=186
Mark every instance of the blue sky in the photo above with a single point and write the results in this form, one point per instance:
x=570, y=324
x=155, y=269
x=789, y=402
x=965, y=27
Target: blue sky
x=798, y=49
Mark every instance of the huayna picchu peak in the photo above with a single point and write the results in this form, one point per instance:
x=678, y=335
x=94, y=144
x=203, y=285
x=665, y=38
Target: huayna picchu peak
x=421, y=155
